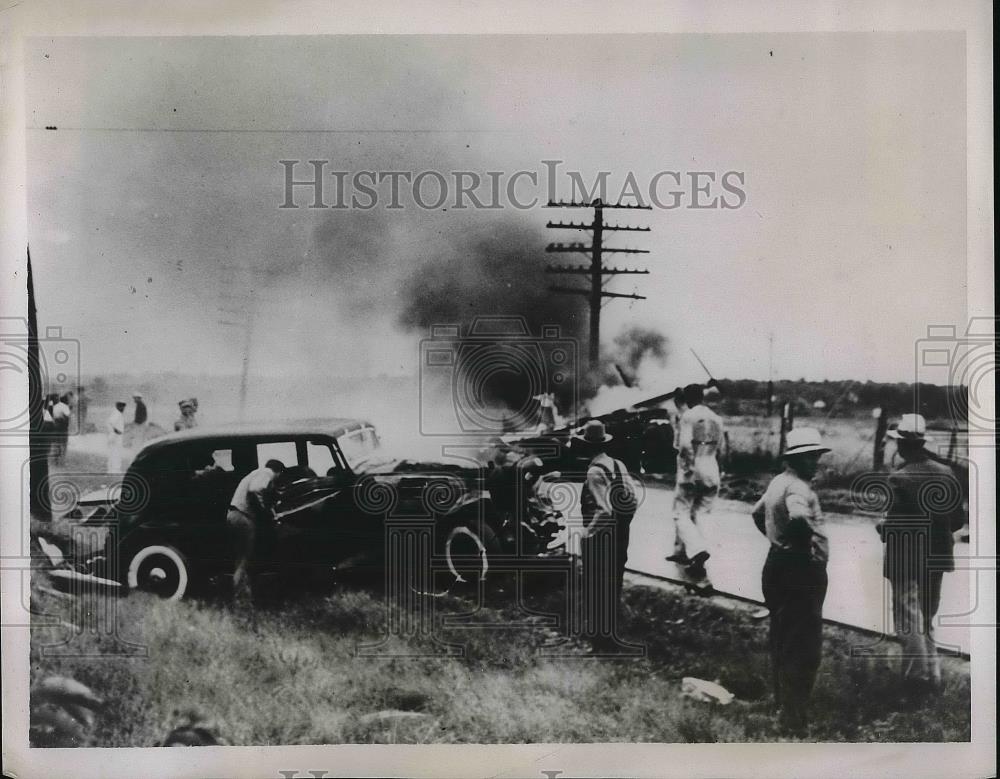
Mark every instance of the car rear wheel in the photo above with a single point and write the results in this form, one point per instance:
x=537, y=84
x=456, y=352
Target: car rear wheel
x=467, y=551
x=161, y=570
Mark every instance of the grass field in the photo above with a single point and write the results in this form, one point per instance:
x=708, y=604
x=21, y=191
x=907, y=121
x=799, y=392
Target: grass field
x=754, y=441
x=300, y=681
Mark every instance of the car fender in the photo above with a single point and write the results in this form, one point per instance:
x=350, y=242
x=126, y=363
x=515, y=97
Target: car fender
x=473, y=511
x=475, y=505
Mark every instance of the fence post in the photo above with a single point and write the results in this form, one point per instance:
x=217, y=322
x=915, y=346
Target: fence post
x=881, y=426
x=787, y=420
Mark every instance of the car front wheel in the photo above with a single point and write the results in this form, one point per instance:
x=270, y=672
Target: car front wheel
x=161, y=570
x=467, y=550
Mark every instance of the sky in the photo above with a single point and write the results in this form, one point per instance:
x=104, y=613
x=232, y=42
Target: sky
x=154, y=207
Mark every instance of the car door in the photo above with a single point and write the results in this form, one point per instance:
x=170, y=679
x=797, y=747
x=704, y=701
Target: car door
x=213, y=470
x=360, y=524
x=314, y=517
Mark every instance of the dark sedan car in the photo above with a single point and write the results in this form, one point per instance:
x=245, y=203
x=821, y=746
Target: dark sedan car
x=336, y=500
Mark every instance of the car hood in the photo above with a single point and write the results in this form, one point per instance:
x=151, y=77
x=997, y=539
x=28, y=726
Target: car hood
x=391, y=466
x=409, y=480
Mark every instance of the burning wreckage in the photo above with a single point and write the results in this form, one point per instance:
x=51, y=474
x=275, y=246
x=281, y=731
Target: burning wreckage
x=166, y=525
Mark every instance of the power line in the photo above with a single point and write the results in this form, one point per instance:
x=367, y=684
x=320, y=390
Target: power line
x=269, y=130
x=597, y=271
x=585, y=269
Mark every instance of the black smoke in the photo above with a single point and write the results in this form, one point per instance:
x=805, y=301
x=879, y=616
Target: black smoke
x=635, y=345
x=420, y=270
x=497, y=270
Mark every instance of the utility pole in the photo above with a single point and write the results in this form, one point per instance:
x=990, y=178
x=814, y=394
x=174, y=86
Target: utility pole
x=39, y=503
x=596, y=270
x=244, y=375
x=770, y=373
x=241, y=316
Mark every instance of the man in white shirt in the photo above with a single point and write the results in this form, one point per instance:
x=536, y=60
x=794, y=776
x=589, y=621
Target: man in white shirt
x=60, y=423
x=115, y=428
x=250, y=510
x=140, y=422
x=794, y=578
x=699, y=445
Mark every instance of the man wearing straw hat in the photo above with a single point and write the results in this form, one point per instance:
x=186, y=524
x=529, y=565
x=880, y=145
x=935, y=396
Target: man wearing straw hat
x=794, y=578
x=924, y=511
x=608, y=503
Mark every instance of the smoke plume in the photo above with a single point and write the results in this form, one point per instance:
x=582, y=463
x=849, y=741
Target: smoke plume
x=414, y=271
x=642, y=354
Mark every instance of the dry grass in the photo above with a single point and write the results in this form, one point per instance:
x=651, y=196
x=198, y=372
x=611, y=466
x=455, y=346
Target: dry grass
x=301, y=681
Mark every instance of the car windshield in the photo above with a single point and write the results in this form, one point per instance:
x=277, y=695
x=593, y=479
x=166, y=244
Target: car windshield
x=358, y=446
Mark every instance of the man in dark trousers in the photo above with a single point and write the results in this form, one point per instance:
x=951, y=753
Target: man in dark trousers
x=251, y=514
x=608, y=503
x=924, y=511
x=794, y=578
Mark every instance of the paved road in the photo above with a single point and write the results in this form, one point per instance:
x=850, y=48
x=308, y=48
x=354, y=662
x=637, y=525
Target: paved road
x=858, y=595
x=97, y=444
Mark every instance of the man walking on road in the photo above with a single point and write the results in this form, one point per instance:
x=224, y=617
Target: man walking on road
x=251, y=515
x=925, y=510
x=699, y=445
x=794, y=578
x=608, y=503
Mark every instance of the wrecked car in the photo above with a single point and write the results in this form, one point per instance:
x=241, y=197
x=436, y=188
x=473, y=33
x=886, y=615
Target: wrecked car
x=336, y=499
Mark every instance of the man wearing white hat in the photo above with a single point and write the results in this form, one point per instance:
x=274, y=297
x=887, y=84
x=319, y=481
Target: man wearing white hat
x=794, y=578
x=187, y=421
x=925, y=510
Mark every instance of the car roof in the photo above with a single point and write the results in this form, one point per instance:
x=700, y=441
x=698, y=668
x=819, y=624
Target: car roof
x=331, y=426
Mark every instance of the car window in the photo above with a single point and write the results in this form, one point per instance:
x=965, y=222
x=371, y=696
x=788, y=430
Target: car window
x=277, y=450
x=358, y=446
x=224, y=459
x=321, y=457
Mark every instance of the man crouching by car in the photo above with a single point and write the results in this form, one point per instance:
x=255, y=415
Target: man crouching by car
x=251, y=511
